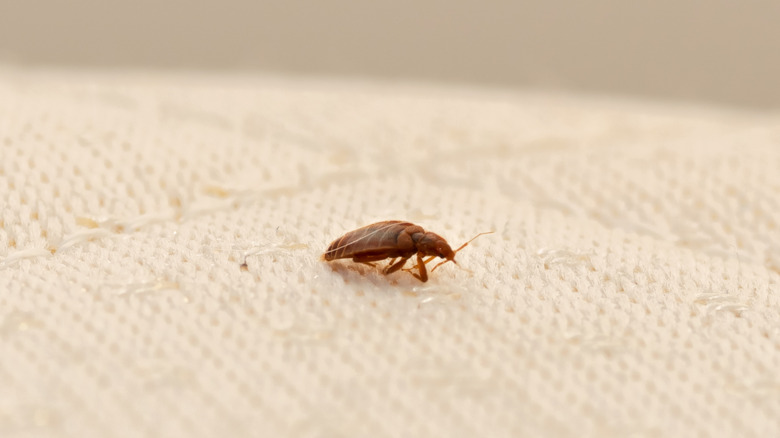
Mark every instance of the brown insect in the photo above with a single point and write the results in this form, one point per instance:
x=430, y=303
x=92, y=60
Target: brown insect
x=393, y=240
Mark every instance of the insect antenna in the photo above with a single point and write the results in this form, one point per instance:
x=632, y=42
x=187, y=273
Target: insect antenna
x=461, y=247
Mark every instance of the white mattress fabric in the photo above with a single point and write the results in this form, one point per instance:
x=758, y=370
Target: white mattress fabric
x=161, y=275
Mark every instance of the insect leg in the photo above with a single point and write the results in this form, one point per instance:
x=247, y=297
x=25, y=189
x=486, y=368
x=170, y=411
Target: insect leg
x=368, y=259
x=389, y=265
x=415, y=266
x=423, y=276
x=392, y=267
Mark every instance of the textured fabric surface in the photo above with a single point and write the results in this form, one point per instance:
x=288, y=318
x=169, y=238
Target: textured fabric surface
x=160, y=272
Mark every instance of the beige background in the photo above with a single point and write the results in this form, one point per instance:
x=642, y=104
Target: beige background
x=632, y=287
x=161, y=233
x=726, y=52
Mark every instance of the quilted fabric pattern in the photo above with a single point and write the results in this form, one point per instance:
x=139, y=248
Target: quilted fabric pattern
x=160, y=271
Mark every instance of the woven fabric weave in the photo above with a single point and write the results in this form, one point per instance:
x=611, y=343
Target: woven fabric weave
x=160, y=271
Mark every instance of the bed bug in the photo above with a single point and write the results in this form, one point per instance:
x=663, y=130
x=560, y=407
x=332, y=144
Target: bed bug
x=393, y=240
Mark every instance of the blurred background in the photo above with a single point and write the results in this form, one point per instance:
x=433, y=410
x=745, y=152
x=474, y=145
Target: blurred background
x=712, y=51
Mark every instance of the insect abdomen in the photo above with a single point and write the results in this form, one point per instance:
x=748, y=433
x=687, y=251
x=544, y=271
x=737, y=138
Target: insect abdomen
x=378, y=237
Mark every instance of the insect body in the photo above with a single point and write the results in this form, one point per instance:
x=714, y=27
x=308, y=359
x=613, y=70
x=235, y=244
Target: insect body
x=393, y=240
